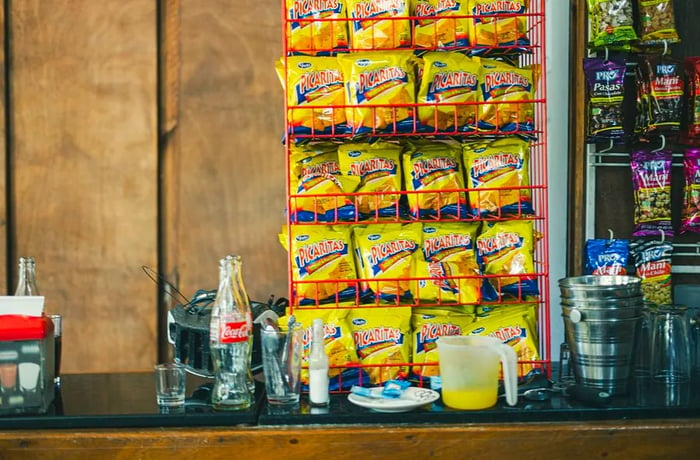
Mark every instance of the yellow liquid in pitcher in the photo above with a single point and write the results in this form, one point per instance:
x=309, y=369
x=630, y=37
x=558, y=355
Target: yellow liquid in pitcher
x=472, y=398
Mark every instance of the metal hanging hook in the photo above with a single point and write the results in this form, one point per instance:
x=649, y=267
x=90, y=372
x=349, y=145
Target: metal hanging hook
x=663, y=143
x=608, y=148
x=612, y=236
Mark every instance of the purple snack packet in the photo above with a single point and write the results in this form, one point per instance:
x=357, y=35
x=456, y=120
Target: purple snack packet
x=690, y=215
x=604, y=98
x=651, y=181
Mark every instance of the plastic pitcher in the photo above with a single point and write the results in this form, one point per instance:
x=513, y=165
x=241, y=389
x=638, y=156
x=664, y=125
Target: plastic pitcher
x=469, y=371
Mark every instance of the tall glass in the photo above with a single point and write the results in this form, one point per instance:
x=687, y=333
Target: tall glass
x=671, y=355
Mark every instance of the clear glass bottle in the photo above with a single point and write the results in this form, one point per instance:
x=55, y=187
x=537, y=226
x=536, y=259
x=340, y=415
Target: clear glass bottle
x=26, y=285
x=318, y=367
x=243, y=301
x=229, y=345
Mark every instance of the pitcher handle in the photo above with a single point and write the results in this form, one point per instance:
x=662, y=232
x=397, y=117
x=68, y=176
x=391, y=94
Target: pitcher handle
x=509, y=362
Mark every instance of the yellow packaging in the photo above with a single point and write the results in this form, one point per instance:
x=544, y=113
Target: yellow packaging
x=372, y=26
x=380, y=91
x=315, y=95
x=382, y=337
x=377, y=167
x=445, y=24
x=312, y=29
x=449, y=81
x=507, y=92
x=427, y=325
x=496, y=24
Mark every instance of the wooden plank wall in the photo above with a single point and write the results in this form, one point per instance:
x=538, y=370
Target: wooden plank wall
x=142, y=132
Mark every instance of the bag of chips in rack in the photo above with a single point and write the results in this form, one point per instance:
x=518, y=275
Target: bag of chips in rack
x=379, y=24
x=690, y=214
x=657, y=22
x=429, y=324
x=651, y=181
x=606, y=256
x=661, y=92
x=605, y=93
x=692, y=121
x=610, y=23
x=440, y=24
x=508, y=94
x=449, y=81
x=497, y=26
x=652, y=260
x=316, y=27
x=380, y=91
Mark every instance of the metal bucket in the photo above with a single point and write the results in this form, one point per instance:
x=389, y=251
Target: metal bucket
x=600, y=322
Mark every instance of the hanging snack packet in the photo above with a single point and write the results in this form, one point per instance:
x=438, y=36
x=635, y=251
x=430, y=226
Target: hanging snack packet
x=606, y=256
x=427, y=325
x=323, y=268
x=315, y=171
x=382, y=338
x=605, y=96
x=508, y=93
x=450, y=83
x=498, y=24
x=386, y=254
x=315, y=95
x=498, y=177
x=506, y=249
x=434, y=169
x=379, y=24
x=377, y=166
x=440, y=24
x=657, y=22
x=660, y=77
x=692, y=74
x=611, y=22
x=651, y=181
x=690, y=215
x=652, y=259
x=380, y=88
x=312, y=28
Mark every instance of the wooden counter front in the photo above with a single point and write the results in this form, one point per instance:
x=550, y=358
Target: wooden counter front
x=614, y=439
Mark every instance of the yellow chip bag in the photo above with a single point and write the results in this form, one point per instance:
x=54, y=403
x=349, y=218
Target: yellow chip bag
x=377, y=166
x=513, y=327
x=498, y=24
x=507, y=92
x=427, y=325
x=387, y=253
x=323, y=269
x=498, y=177
x=379, y=24
x=337, y=339
x=434, y=169
x=312, y=28
x=315, y=95
x=318, y=189
x=382, y=338
x=449, y=82
x=380, y=90
x=440, y=23
x=506, y=249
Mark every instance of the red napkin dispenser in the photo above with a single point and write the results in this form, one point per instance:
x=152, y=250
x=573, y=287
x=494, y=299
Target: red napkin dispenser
x=26, y=364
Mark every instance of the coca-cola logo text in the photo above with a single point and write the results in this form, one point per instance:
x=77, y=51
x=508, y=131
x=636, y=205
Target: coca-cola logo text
x=233, y=332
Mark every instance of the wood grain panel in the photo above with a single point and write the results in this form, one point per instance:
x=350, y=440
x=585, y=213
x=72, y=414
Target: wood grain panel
x=84, y=171
x=3, y=157
x=580, y=440
x=230, y=165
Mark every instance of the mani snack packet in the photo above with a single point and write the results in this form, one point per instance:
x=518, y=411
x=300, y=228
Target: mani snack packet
x=610, y=22
x=652, y=260
x=377, y=166
x=657, y=22
x=318, y=188
x=651, y=181
x=337, y=339
x=498, y=177
x=386, y=254
x=440, y=24
x=498, y=24
x=692, y=75
x=434, y=171
x=427, y=325
x=323, y=268
x=661, y=92
x=312, y=28
x=448, y=92
x=380, y=88
x=507, y=93
x=379, y=24
x=690, y=214
x=605, y=92
x=606, y=256
x=315, y=95
x=382, y=337
x=506, y=249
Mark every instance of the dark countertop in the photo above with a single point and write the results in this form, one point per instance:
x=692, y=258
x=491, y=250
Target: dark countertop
x=128, y=400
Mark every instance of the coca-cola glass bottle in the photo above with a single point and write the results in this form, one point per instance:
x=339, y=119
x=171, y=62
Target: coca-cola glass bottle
x=240, y=296
x=26, y=285
x=228, y=344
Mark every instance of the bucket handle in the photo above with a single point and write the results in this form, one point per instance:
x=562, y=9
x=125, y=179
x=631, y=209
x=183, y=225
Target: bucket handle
x=575, y=315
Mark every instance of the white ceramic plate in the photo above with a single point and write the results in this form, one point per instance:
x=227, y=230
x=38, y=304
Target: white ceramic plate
x=412, y=398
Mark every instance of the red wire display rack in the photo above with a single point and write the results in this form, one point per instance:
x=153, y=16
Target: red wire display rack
x=348, y=31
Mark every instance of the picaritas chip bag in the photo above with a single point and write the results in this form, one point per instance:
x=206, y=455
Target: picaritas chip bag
x=379, y=24
x=312, y=28
x=508, y=93
x=441, y=24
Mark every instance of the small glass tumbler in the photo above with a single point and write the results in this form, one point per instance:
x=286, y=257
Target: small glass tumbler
x=57, y=339
x=170, y=384
x=282, y=360
x=670, y=361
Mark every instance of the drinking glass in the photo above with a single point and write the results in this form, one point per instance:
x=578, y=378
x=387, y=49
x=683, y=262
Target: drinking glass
x=670, y=355
x=282, y=355
x=170, y=384
x=57, y=339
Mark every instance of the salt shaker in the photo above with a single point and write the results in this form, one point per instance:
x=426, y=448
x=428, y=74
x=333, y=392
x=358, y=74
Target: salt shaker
x=318, y=367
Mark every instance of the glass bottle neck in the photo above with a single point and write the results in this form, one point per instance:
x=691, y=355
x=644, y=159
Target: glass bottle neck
x=26, y=285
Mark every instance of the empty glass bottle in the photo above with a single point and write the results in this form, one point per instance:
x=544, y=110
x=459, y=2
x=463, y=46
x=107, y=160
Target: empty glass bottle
x=26, y=285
